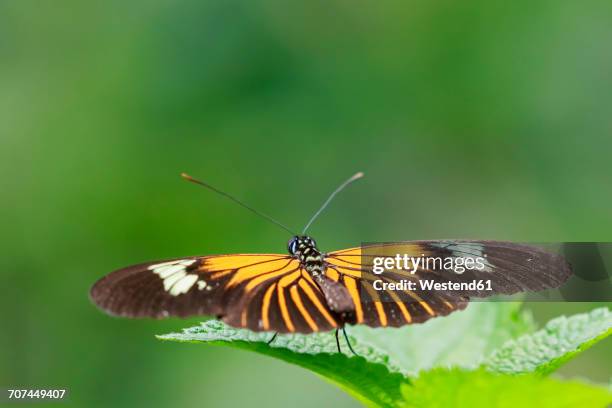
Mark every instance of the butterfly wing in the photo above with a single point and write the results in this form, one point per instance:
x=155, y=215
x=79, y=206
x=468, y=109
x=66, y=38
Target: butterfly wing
x=510, y=267
x=285, y=304
x=257, y=291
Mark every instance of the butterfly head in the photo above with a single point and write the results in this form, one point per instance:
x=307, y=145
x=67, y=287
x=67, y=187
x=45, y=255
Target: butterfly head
x=300, y=243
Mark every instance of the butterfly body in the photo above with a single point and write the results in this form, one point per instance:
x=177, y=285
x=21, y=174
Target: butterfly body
x=337, y=298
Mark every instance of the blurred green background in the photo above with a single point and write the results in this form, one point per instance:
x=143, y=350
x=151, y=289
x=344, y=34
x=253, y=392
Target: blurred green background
x=470, y=119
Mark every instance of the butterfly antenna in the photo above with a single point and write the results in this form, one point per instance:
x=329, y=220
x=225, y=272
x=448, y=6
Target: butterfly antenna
x=356, y=176
x=262, y=215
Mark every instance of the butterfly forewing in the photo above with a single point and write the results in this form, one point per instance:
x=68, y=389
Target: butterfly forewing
x=180, y=287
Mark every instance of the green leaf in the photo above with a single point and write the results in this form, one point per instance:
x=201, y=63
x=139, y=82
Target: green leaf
x=480, y=388
x=370, y=378
x=386, y=355
x=461, y=339
x=559, y=341
x=378, y=376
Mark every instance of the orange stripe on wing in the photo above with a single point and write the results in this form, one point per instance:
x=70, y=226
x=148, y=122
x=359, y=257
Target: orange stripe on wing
x=295, y=296
x=315, y=300
x=289, y=267
x=232, y=262
x=380, y=310
x=252, y=271
x=332, y=274
x=307, y=276
x=351, y=286
x=401, y=306
x=220, y=274
x=265, y=307
x=282, y=302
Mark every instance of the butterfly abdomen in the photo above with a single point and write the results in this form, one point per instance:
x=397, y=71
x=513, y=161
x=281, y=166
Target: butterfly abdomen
x=336, y=295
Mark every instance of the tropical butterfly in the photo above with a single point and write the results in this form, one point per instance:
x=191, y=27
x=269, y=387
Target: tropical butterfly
x=308, y=290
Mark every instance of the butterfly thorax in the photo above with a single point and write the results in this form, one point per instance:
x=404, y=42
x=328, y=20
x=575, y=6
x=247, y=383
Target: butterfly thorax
x=304, y=248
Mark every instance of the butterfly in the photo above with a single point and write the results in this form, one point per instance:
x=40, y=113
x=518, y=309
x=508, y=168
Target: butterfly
x=307, y=290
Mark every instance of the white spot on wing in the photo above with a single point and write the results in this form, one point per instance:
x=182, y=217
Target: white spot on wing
x=461, y=249
x=184, y=262
x=183, y=285
x=168, y=270
x=175, y=276
x=201, y=284
x=466, y=250
x=172, y=279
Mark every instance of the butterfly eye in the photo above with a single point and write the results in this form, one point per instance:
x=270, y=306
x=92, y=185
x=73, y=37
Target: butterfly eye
x=292, y=245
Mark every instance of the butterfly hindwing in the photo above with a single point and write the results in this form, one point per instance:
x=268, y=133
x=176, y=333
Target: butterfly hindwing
x=394, y=308
x=285, y=304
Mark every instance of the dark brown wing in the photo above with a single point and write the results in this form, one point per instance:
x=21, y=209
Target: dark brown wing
x=256, y=291
x=510, y=267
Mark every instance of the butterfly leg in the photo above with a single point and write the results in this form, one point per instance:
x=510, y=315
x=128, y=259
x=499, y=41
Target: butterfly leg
x=338, y=342
x=347, y=341
x=273, y=338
